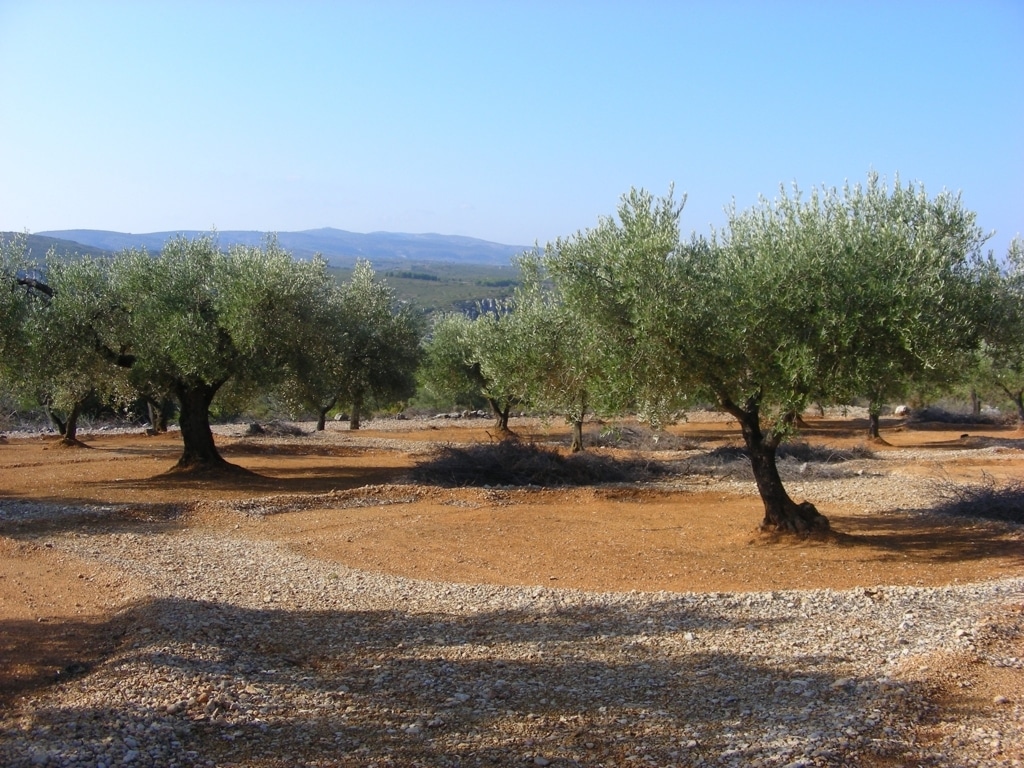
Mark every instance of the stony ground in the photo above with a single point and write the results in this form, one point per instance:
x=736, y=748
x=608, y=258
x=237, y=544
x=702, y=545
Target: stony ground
x=332, y=612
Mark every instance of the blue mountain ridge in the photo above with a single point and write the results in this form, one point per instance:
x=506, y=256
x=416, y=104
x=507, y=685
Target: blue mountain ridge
x=339, y=247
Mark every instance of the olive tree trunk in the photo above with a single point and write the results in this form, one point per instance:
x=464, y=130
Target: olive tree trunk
x=199, y=452
x=55, y=420
x=1018, y=400
x=781, y=513
x=159, y=411
x=354, y=421
x=577, y=436
x=500, y=415
x=321, y=418
x=70, y=431
x=874, y=416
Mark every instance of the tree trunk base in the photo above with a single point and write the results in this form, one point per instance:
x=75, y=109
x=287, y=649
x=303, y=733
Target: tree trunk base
x=878, y=440
x=802, y=519
x=71, y=442
x=211, y=468
x=501, y=435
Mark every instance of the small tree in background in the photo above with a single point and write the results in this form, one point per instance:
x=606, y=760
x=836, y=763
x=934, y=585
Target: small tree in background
x=362, y=346
x=382, y=350
x=567, y=366
x=318, y=363
x=466, y=358
x=16, y=299
x=910, y=272
x=67, y=364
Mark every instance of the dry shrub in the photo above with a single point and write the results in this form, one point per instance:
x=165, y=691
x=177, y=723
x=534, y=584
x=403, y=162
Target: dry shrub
x=512, y=463
x=642, y=438
x=797, y=459
x=933, y=413
x=985, y=500
x=274, y=429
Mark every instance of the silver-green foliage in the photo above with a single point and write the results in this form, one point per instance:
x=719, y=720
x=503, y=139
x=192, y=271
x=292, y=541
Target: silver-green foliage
x=380, y=343
x=615, y=283
x=851, y=292
x=66, y=331
x=196, y=315
x=1002, y=353
x=470, y=358
x=362, y=344
x=565, y=364
x=15, y=303
x=863, y=291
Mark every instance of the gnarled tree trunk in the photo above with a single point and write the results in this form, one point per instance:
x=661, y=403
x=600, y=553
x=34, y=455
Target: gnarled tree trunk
x=874, y=416
x=781, y=513
x=70, y=431
x=1018, y=400
x=321, y=418
x=975, y=404
x=354, y=420
x=158, y=414
x=500, y=416
x=200, y=452
x=55, y=420
x=577, y=436
x=66, y=428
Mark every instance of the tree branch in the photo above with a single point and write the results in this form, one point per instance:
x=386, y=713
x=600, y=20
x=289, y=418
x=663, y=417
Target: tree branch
x=39, y=285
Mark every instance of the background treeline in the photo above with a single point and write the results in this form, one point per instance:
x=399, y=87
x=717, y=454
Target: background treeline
x=869, y=292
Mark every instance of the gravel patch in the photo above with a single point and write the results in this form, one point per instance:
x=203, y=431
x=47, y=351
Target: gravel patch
x=242, y=652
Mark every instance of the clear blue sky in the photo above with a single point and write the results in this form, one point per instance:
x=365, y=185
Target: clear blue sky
x=510, y=121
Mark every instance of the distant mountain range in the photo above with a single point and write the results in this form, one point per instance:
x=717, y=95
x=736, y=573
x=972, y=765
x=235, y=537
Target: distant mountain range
x=340, y=248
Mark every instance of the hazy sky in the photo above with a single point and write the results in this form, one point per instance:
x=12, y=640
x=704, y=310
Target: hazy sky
x=509, y=121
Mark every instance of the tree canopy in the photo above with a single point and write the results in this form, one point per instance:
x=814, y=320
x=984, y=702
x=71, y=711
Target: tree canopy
x=1001, y=354
x=194, y=318
x=778, y=308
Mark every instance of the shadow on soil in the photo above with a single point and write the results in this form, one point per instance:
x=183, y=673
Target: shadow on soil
x=351, y=688
x=925, y=536
x=302, y=479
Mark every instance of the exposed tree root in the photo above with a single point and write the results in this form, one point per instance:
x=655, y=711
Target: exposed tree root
x=802, y=519
x=209, y=470
x=73, y=442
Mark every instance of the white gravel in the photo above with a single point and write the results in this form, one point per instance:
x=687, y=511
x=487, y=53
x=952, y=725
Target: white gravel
x=246, y=653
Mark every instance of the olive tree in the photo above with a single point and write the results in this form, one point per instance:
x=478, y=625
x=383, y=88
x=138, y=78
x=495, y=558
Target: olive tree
x=317, y=364
x=466, y=358
x=906, y=278
x=15, y=303
x=363, y=345
x=65, y=364
x=565, y=364
x=381, y=345
x=1002, y=352
x=761, y=317
x=193, y=319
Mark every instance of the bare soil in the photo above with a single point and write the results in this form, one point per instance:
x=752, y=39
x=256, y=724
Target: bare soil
x=700, y=536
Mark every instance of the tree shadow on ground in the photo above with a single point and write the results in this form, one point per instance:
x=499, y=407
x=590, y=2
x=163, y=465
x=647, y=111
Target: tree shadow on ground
x=31, y=518
x=279, y=479
x=927, y=536
x=583, y=685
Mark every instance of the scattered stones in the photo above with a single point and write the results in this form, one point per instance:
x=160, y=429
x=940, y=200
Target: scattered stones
x=244, y=652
